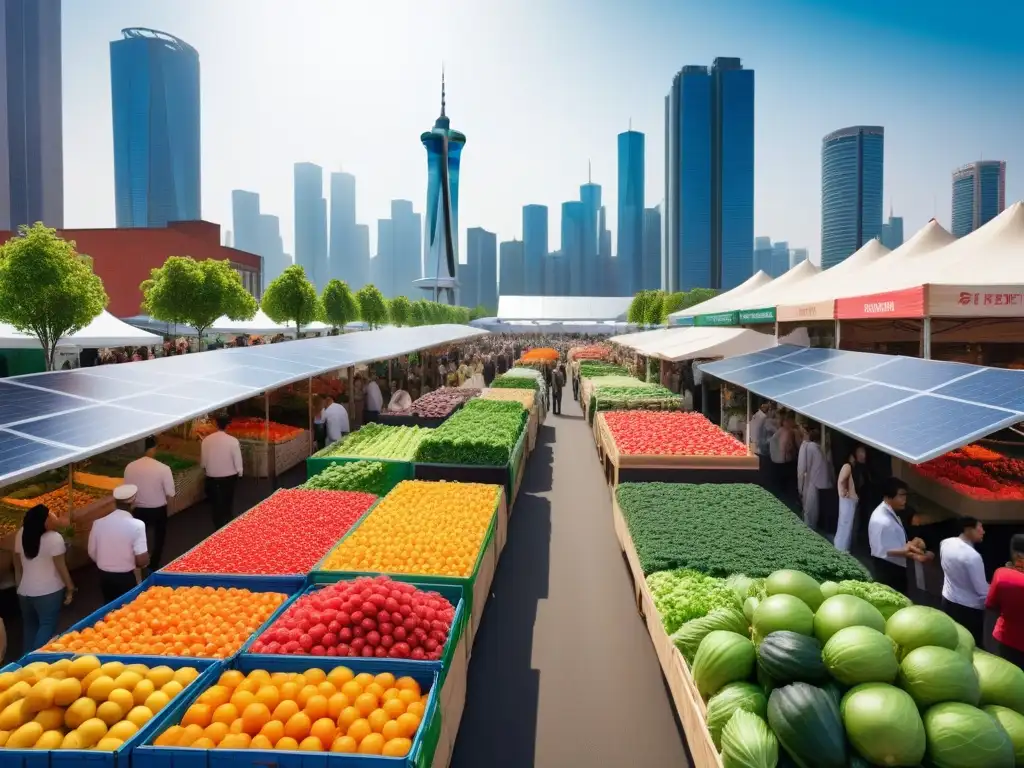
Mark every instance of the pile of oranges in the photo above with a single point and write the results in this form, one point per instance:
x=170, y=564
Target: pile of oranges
x=427, y=528
x=203, y=622
x=314, y=711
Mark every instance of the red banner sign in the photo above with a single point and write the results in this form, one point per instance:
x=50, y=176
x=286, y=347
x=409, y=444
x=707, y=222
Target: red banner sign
x=908, y=303
x=975, y=301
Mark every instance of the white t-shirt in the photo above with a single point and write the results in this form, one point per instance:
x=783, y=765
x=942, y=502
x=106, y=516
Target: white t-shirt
x=964, y=572
x=886, y=533
x=39, y=575
x=221, y=455
x=154, y=480
x=336, y=420
x=115, y=540
x=374, y=399
x=757, y=428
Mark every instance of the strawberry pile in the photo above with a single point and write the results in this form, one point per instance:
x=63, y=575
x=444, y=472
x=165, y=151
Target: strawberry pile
x=374, y=617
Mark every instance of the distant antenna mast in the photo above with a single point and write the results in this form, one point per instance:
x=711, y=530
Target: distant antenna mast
x=588, y=170
x=442, y=89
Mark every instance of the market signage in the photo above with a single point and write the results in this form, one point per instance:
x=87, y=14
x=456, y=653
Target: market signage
x=687, y=321
x=976, y=301
x=909, y=303
x=821, y=310
x=765, y=315
x=721, y=318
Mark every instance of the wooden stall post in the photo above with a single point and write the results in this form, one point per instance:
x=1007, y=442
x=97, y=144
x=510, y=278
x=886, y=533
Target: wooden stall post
x=746, y=427
x=837, y=341
x=926, y=339
x=351, y=394
x=309, y=400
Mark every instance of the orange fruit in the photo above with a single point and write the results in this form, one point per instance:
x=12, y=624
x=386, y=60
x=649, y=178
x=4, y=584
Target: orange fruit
x=189, y=735
x=308, y=692
x=365, y=703
x=397, y=748
x=348, y=716
x=169, y=738
x=359, y=730
x=290, y=691
x=408, y=695
x=385, y=680
x=364, y=679
x=230, y=678
x=344, y=744
x=269, y=695
x=287, y=742
x=409, y=724
x=335, y=704
x=394, y=707
x=391, y=730
x=273, y=730
x=215, y=695
x=235, y=741
x=325, y=730
x=407, y=684
x=339, y=676
x=242, y=699
x=314, y=675
x=316, y=707
x=377, y=718
x=375, y=688
x=326, y=689
x=372, y=745
x=254, y=717
x=311, y=744
x=225, y=713
x=259, y=741
x=285, y=710
x=352, y=689
x=298, y=726
x=203, y=743
x=216, y=732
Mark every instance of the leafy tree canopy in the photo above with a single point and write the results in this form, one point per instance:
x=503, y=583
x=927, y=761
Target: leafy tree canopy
x=654, y=307
x=400, y=310
x=480, y=311
x=196, y=293
x=47, y=288
x=339, y=304
x=291, y=298
x=372, y=305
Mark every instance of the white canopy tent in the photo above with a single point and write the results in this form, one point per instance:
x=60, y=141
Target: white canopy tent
x=105, y=330
x=676, y=344
x=260, y=324
x=991, y=255
x=824, y=285
x=711, y=306
x=563, y=308
x=789, y=284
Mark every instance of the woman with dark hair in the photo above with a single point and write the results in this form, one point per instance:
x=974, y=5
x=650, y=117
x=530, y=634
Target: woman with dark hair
x=849, y=485
x=1006, y=596
x=44, y=583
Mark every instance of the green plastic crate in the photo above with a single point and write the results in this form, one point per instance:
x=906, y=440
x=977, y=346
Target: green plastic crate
x=397, y=471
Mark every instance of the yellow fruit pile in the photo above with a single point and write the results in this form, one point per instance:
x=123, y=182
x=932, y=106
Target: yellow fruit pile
x=314, y=711
x=83, y=704
x=421, y=527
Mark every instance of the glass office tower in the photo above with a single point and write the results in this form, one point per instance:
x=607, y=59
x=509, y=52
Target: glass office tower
x=851, y=190
x=979, y=195
x=589, y=281
x=535, y=250
x=630, y=235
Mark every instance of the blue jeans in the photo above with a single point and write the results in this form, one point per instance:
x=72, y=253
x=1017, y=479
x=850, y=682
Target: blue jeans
x=39, y=618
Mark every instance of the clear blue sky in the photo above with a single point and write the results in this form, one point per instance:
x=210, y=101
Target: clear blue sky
x=541, y=86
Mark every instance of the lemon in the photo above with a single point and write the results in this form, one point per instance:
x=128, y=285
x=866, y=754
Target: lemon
x=83, y=666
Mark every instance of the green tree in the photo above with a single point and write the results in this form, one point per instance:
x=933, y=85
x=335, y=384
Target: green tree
x=639, y=308
x=47, y=288
x=480, y=311
x=673, y=302
x=399, y=310
x=196, y=293
x=696, y=296
x=418, y=312
x=372, y=306
x=653, y=316
x=291, y=298
x=339, y=304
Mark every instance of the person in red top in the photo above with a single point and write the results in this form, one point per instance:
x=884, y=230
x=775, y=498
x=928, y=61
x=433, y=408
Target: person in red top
x=1006, y=595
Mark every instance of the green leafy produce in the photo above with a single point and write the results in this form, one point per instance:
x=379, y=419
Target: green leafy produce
x=886, y=599
x=515, y=382
x=783, y=612
x=790, y=582
x=883, y=725
x=725, y=529
x=689, y=636
x=379, y=441
x=683, y=595
x=843, y=611
x=749, y=606
x=175, y=462
x=733, y=697
x=723, y=658
x=806, y=721
x=367, y=476
x=918, y=625
x=962, y=736
x=646, y=397
x=856, y=655
x=592, y=369
x=744, y=586
x=1013, y=724
x=933, y=675
x=829, y=589
x=965, y=646
x=1001, y=682
x=789, y=657
x=748, y=742
x=482, y=433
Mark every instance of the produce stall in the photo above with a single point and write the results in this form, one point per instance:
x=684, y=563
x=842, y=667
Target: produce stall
x=529, y=401
x=395, y=446
x=106, y=472
x=432, y=409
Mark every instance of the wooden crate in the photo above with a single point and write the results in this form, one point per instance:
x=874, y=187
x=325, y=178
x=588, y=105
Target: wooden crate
x=189, y=489
x=189, y=449
x=452, y=703
x=287, y=454
x=688, y=703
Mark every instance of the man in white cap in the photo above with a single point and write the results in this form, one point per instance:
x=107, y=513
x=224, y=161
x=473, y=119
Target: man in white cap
x=117, y=544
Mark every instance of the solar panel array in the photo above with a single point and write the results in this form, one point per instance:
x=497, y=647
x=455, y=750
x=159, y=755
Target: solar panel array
x=913, y=409
x=51, y=419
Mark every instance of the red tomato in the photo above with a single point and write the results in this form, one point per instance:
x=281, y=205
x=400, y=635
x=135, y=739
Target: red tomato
x=670, y=433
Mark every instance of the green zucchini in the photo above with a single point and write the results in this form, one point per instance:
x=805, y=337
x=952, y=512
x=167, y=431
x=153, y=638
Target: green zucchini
x=807, y=723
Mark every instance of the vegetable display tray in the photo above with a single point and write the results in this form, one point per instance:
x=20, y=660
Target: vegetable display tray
x=507, y=475
x=397, y=471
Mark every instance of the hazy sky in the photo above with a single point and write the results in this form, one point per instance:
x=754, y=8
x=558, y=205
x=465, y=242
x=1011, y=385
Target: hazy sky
x=541, y=86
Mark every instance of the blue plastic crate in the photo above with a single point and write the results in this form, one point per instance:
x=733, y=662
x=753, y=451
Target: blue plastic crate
x=147, y=755
x=453, y=593
x=255, y=584
x=209, y=671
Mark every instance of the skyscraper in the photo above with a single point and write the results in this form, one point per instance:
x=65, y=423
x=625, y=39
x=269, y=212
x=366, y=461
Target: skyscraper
x=573, y=222
x=343, y=224
x=631, y=228
x=271, y=248
x=606, y=279
x=382, y=266
x=155, y=98
x=763, y=255
x=245, y=220
x=407, y=248
x=588, y=281
x=535, y=249
x=709, y=176
x=311, y=223
x=892, y=232
x=510, y=266
x=31, y=121
x=979, y=194
x=556, y=274
x=482, y=258
x=851, y=190
x=650, y=263
x=444, y=149
x=361, y=257
x=797, y=256
x=780, y=258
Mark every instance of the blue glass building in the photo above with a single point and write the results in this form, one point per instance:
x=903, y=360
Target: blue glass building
x=650, y=268
x=341, y=250
x=979, y=195
x=780, y=258
x=589, y=280
x=155, y=99
x=311, y=223
x=510, y=267
x=535, y=250
x=629, y=247
x=851, y=190
x=482, y=258
x=763, y=255
x=892, y=232
x=573, y=222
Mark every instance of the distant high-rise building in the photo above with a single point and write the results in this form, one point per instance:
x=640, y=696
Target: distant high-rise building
x=979, y=195
x=588, y=281
x=155, y=99
x=382, y=266
x=407, y=239
x=311, y=223
x=797, y=256
x=245, y=218
x=341, y=258
x=650, y=263
x=510, y=266
x=851, y=190
x=228, y=242
x=361, y=257
x=573, y=222
x=556, y=274
x=780, y=258
x=709, y=177
x=535, y=249
x=630, y=234
x=482, y=259
x=763, y=255
x=892, y=232
x=31, y=120
x=606, y=279
x=271, y=248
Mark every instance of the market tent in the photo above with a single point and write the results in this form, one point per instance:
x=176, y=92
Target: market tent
x=641, y=339
x=789, y=284
x=258, y=325
x=105, y=330
x=694, y=343
x=816, y=295
x=711, y=306
x=563, y=308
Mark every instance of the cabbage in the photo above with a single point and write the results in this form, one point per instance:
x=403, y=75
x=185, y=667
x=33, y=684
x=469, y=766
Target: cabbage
x=829, y=589
x=856, y=655
x=688, y=637
x=883, y=724
x=965, y=646
x=748, y=742
x=742, y=585
x=723, y=657
x=933, y=675
x=1001, y=682
x=962, y=736
x=749, y=606
x=733, y=697
x=1013, y=724
x=783, y=611
x=796, y=583
x=844, y=611
x=886, y=599
x=919, y=625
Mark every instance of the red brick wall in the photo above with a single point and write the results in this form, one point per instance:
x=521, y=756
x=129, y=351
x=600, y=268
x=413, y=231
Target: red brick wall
x=123, y=258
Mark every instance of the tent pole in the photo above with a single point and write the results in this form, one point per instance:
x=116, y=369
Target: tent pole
x=748, y=419
x=271, y=468
x=309, y=400
x=351, y=395
x=837, y=341
x=926, y=339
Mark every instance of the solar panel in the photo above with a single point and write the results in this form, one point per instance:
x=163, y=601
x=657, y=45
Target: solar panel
x=991, y=386
x=80, y=384
x=917, y=374
x=18, y=454
x=256, y=378
x=20, y=403
x=166, y=405
x=762, y=371
x=205, y=390
x=97, y=425
x=735, y=363
x=801, y=378
x=853, y=363
x=811, y=356
x=842, y=408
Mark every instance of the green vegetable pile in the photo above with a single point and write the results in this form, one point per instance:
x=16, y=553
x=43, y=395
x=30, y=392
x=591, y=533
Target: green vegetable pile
x=366, y=476
x=175, y=462
x=592, y=369
x=379, y=441
x=721, y=530
x=683, y=595
x=886, y=599
x=646, y=397
x=483, y=433
x=515, y=382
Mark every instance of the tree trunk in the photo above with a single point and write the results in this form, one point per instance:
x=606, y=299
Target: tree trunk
x=49, y=350
x=201, y=331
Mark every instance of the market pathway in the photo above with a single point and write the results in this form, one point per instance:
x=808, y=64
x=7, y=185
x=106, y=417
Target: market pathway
x=563, y=672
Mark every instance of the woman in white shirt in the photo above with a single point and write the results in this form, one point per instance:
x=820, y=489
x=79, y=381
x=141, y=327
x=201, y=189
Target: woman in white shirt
x=44, y=583
x=848, y=499
x=812, y=473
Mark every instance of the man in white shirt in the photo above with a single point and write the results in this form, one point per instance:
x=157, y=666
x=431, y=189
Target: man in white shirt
x=964, y=587
x=155, y=482
x=335, y=420
x=756, y=427
x=373, y=403
x=117, y=544
x=221, y=459
x=888, y=538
